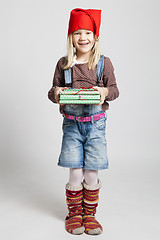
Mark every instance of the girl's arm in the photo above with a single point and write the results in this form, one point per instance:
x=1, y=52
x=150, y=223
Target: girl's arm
x=58, y=83
x=109, y=80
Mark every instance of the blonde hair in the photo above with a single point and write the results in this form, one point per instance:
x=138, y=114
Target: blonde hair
x=93, y=58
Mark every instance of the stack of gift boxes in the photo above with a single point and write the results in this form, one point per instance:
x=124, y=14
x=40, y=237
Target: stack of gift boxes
x=79, y=96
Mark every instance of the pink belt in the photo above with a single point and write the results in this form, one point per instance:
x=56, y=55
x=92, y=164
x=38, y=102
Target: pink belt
x=95, y=117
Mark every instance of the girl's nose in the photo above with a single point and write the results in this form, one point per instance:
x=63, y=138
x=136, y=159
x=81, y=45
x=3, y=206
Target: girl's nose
x=82, y=37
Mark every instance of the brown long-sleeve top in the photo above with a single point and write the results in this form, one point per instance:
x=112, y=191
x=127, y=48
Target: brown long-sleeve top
x=83, y=77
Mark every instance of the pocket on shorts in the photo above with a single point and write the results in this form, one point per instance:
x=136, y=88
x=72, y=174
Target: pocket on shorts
x=67, y=123
x=101, y=123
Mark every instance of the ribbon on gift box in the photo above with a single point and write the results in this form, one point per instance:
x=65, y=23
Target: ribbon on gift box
x=80, y=96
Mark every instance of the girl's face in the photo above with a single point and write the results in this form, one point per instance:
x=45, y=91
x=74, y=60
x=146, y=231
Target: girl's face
x=83, y=40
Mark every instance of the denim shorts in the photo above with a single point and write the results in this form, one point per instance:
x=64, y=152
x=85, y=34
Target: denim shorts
x=84, y=143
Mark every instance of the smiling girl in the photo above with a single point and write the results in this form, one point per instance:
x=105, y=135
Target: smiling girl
x=84, y=149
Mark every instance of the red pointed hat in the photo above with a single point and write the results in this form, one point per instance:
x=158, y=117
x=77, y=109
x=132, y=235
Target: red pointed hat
x=89, y=19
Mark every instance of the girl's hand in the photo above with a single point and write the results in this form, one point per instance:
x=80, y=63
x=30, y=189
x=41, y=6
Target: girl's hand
x=103, y=92
x=57, y=91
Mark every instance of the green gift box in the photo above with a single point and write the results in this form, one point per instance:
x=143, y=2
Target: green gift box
x=79, y=96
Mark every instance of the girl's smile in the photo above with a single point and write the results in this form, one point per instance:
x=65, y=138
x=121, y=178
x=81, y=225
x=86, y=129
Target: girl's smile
x=83, y=44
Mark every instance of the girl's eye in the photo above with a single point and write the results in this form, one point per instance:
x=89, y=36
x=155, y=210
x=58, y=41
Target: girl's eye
x=88, y=32
x=76, y=33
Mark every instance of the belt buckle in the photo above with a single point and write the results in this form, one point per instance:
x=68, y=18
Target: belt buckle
x=86, y=119
x=92, y=120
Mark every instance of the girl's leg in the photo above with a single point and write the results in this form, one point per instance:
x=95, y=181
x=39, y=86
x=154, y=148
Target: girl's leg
x=91, y=186
x=74, y=197
x=75, y=176
x=90, y=176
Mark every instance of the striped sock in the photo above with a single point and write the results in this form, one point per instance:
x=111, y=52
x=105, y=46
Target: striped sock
x=90, y=203
x=73, y=221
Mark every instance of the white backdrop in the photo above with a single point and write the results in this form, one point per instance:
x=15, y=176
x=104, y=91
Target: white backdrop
x=33, y=38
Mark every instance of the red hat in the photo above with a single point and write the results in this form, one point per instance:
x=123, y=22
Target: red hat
x=89, y=19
